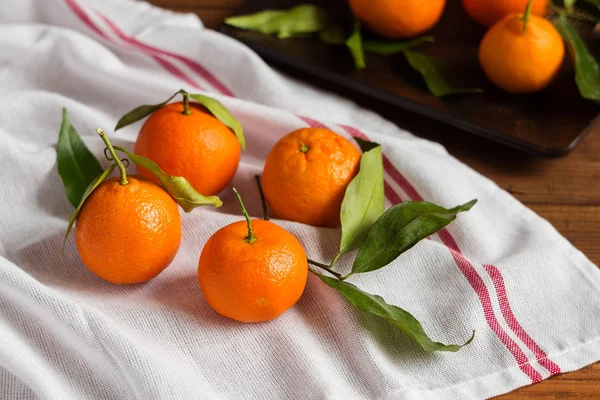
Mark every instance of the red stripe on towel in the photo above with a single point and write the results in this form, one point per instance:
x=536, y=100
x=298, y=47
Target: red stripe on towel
x=512, y=322
x=193, y=65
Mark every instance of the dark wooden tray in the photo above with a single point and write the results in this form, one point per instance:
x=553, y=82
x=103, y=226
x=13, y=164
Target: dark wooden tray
x=548, y=123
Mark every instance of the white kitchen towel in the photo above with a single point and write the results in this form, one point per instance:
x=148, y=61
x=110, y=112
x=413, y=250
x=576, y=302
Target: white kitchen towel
x=532, y=298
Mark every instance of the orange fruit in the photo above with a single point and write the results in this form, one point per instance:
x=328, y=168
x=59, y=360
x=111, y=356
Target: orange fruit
x=197, y=146
x=306, y=175
x=128, y=233
x=522, y=62
x=252, y=281
x=398, y=18
x=488, y=12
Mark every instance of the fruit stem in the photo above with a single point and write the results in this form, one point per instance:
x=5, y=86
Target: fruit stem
x=324, y=267
x=262, y=198
x=115, y=158
x=186, y=103
x=304, y=148
x=250, y=238
x=526, y=15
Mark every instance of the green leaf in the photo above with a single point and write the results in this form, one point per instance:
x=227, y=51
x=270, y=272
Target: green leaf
x=386, y=48
x=260, y=22
x=178, y=187
x=77, y=166
x=91, y=187
x=363, y=202
x=354, y=44
x=396, y=316
x=214, y=107
x=569, y=5
x=587, y=71
x=222, y=114
x=434, y=73
x=301, y=19
x=141, y=112
x=400, y=228
x=334, y=34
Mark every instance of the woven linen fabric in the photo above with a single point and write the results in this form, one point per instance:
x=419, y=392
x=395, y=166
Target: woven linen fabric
x=533, y=299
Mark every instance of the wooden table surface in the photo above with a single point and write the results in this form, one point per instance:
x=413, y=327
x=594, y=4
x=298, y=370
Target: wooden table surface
x=565, y=191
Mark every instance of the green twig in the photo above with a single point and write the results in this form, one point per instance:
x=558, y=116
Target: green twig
x=526, y=15
x=186, y=103
x=343, y=278
x=338, y=255
x=115, y=158
x=262, y=198
x=250, y=238
x=324, y=267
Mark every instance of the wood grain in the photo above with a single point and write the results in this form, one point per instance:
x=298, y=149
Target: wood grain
x=582, y=384
x=565, y=191
x=579, y=224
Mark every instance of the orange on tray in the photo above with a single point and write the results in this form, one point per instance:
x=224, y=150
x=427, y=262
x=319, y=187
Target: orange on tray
x=522, y=62
x=488, y=12
x=197, y=146
x=306, y=175
x=398, y=18
x=128, y=233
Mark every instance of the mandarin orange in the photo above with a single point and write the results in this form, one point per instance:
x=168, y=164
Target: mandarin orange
x=197, y=146
x=128, y=233
x=398, y=18
x=488, y=12
x=252, y=271
x=306, y=174
x=522, y=62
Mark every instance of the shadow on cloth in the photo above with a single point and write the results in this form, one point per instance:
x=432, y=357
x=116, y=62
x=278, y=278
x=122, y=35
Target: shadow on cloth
x=325, y=310
x=47, y=200
x=182, y=294
x=44, y=261
x=322, y=242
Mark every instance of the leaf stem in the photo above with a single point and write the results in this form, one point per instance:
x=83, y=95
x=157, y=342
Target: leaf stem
x=262, y=198
x=338, y=255
x=186, y=103
x=343, y=278
x=324, y=267
x=115, y=158
x=250, y=238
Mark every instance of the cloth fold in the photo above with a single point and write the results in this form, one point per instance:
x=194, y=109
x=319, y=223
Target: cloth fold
x=533, y=299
